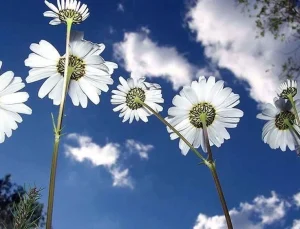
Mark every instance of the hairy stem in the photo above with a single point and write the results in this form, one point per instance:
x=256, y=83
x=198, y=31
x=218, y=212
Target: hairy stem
x=214, y=173
x=211, y=165
x=57, y=130
x=294, y=108
x=172, y=128
x=209, y=162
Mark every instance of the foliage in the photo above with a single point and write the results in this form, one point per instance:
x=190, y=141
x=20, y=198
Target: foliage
x=278, y=17
x=18, y=207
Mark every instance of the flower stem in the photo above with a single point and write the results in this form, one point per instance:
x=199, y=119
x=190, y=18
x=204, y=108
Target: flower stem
x=171, y=127
x=209, y=162
x=292, y=128
x=57, y=130
x=212, y=166
x=221, y=195
x=294, y=108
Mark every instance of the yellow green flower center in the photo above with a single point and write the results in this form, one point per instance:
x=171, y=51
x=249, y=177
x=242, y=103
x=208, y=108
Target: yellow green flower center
x=132, y=94
x=75, y=16
x=290, y=91
x=202, y=108
x=77, y=65
x=281, y=117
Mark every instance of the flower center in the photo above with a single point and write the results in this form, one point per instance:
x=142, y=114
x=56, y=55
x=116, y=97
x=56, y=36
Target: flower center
x=77, y=65
x=202, y=108
x=70, y=14
x=292, y=91
x=132, y=94
x=281, y=117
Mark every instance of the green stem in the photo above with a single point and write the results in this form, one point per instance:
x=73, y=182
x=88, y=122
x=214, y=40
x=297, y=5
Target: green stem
x=294, y=108
x=211, y=165
x=291, y=127
x=172, y=128
x=57, y=130
x=206, y=139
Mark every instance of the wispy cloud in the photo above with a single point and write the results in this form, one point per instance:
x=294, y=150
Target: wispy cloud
x=107, y=156
x=260, y=213
x=229, y=41
x=111, y=30
x=297, y=199
x=296, y=224
x=121, y=177
x=139, y=148
x=144, y=57
x=121, y=7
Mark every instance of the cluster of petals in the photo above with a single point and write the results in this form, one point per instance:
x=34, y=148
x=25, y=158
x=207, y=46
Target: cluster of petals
x=11, y=103
x=275, y=132
x=124, y=98
x=94, y=73
x=204, y=96
x=287, y=89
x=67, y=9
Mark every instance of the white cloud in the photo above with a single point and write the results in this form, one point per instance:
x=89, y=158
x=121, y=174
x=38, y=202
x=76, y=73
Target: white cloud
x=297, y=199
x=261, y=212
x=229, y=40
x=144, y=57
x=120, y=7
x=107, y=156
x=90, y=151
x=296, y=224
x=138, y=148
x=121, y=177
x=111, y=30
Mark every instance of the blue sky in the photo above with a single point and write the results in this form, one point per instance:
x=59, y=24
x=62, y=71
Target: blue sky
x=134, y=176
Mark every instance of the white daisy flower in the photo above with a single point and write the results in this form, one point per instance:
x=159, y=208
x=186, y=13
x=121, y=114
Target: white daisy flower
x=124, y=98
x=90, y=73
x=276, y=131
x=204, y=97
x=286, y=89
x=67, y=9
x=11, y=103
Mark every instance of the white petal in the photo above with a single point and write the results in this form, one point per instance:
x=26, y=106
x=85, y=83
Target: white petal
x=231, y=112
x=5, y=79
x=217, y=87
x=51, y=6
x=18, y=97
x=182, y=102
x=89, y=90
x=15, y=86
x=190, y=94
x=176, y=111
x=46, y=50
x=55, y=21
x=49, y=84
x=143, y=115
x=50, y=14
x=73, y=94
x=81, y=96
x=19, y=108
x=56, y=93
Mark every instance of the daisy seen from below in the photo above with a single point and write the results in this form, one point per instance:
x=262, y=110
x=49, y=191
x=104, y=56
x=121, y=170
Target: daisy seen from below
x=287, y=89
x=89, y=73
x=128, y=91
x=11, y=103
x=209, y=99
x=66, y=10
x=281, y=130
